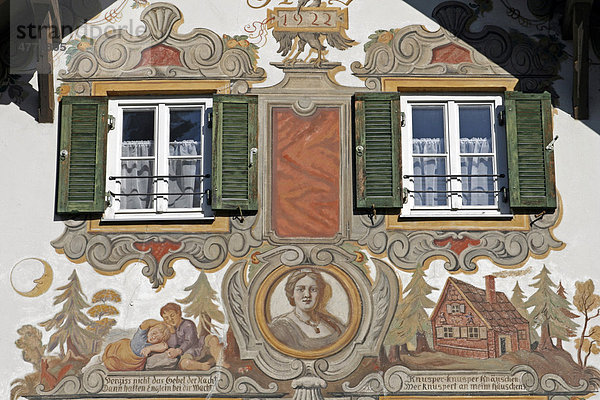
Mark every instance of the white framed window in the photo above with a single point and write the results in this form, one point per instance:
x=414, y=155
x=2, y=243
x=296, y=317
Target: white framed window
x=454, y=159
x=159, y=159
x=455, y=308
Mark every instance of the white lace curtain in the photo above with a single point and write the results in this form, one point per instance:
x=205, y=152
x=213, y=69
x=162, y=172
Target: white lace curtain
x=145, y=168
x=470, y=165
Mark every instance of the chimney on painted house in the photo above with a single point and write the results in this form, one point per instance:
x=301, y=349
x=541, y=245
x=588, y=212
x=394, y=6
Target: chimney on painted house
x=490, y=288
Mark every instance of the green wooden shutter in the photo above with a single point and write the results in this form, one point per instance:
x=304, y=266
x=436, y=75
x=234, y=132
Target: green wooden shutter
x=530, y=162
x=235, y=161
x=82, y=155
x=377, y=151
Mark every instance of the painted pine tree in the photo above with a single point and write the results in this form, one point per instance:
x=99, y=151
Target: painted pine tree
x=546, y=313
x=518, y=300
x=415, y=324
x=570, y=327
x=202, y=304
x=70, y=322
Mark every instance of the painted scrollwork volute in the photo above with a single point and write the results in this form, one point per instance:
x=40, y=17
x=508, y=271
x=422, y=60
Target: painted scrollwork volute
x=199, y=54
x=246, y=305
x=160, y=20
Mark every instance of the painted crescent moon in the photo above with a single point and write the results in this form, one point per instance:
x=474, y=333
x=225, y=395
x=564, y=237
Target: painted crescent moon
x=42, y=284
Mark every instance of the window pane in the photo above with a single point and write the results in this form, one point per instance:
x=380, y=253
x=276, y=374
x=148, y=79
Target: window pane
x=184, y=192
x=475, y=129
x=185, y=131
x=477, y=166
x=428, y=130
x=430, y=166
x=130, y=187
x=138, y=133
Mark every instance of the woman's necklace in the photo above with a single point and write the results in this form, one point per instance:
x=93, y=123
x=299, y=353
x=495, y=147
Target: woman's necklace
x=309, y=322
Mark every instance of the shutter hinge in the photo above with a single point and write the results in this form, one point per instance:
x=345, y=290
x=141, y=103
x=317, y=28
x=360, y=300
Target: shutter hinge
x=360, y=150
x=253, y=153
x=111, y=122
x=537, y=217
x=550, y=146
x=501, y=117
x=404, y=195
x=372, y=214
x=209, y=118
x=240, y=217
x=109, y=199
x=402, y=119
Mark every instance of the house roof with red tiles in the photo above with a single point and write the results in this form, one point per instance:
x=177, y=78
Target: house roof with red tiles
x=499, y=314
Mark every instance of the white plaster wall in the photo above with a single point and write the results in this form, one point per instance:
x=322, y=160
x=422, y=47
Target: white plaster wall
x=28, y=173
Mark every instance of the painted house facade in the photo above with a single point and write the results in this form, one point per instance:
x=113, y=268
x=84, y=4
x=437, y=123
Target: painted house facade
x=292, y=199
x=478, y=323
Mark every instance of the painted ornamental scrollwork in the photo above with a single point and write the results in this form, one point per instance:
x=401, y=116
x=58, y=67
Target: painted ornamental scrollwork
x=361, y=334
x=161, y=52
x=111, y=252
x=456, y=50
x=521, y=379
x=415, y=50
x=461, y=249
x=97, y=380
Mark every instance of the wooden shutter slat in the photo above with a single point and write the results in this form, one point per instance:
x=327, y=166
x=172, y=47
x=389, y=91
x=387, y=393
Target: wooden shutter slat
x=531, y=165
x=81, y=182
x=439, y=331
x=377, y=120
x=234, y=135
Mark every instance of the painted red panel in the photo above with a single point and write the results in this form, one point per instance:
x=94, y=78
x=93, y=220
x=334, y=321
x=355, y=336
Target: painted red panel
x=160, y=55
x=158, y=249
x=451, y=54
x=306, y=173
x=457, y=245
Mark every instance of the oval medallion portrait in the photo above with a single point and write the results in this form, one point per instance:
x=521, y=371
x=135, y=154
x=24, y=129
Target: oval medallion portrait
x=308, y=311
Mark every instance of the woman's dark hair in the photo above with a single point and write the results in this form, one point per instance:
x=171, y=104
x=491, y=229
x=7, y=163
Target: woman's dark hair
x=299, y=274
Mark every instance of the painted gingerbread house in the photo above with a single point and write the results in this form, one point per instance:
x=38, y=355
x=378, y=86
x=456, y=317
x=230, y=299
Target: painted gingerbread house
x=477, y=323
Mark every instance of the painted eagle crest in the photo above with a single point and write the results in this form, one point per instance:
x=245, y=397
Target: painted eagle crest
x=292, y=43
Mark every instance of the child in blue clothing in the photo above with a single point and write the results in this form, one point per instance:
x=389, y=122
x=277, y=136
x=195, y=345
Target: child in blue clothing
x=131, y=354
x=151, y=337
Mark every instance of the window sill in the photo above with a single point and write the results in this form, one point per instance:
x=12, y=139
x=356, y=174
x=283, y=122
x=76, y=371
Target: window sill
x=456, y=216
x=152, y=218
x=504, y=222
x=216, y=225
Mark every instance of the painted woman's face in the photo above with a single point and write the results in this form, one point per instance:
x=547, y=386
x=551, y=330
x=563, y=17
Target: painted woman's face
x=306, y=293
